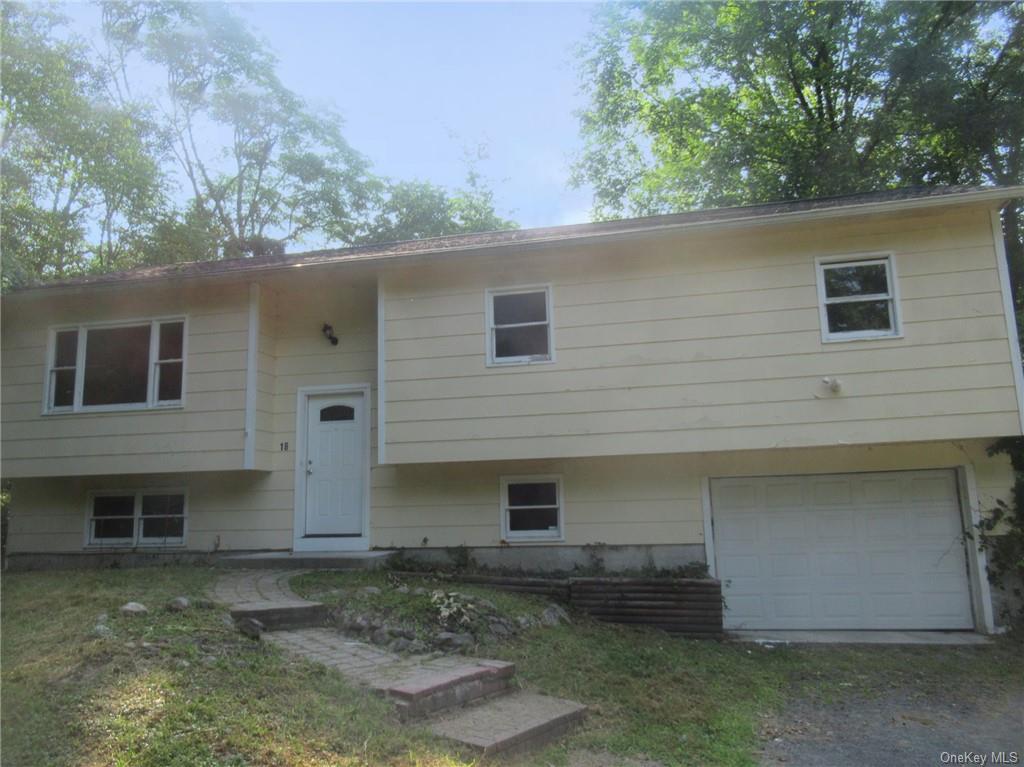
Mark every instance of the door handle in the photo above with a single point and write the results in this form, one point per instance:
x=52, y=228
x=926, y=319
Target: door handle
x=309, y=468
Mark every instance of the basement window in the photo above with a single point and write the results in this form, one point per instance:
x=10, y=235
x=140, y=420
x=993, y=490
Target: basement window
x=137, y=518
x=123, y=366
x=857, y=299
x=519, y=326
x=531, y=508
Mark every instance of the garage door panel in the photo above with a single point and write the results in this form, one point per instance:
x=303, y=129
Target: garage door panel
x=832, y=492
x=875, y=551
x=838, y=564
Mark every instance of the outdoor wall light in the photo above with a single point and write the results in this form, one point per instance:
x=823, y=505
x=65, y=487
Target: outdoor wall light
x=328, y=331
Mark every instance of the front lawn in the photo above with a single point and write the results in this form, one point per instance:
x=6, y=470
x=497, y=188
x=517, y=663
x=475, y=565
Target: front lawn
x=185, y=689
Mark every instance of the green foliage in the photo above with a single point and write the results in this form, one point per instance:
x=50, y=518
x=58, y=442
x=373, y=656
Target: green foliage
x=1001, y=531
x=79, y=173
x=696, y=104
x=412, y=210
x=285, y=170
x=91, y=160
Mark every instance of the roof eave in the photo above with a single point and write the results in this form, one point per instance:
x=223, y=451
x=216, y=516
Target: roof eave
x=993, y=195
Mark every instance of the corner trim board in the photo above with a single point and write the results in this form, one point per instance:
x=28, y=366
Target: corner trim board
x=709, y=529
x=977, y=562
x=1011, y=321
x=252, y=358
x=381, y=381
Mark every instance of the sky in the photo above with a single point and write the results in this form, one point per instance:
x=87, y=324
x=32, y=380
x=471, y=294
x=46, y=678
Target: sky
x=420, y=83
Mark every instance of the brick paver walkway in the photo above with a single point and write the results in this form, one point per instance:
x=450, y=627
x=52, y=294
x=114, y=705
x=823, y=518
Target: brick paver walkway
x=419, y=684
x=258, y=589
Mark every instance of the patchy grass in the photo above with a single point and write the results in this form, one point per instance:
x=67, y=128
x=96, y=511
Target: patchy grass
x=71, y=698
x=409, y=608
x=201, y=694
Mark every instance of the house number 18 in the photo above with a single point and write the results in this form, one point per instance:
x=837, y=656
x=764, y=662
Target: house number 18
x=284, y=447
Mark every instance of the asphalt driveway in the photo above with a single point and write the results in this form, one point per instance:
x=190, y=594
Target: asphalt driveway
x=892, y=720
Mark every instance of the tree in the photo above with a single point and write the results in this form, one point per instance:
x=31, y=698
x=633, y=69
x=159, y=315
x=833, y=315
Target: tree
x=283, y=170
x=78, y=173
x=696, y=104
x=412, y=210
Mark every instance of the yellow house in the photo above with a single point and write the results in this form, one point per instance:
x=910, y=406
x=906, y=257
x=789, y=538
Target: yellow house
x=799, y=395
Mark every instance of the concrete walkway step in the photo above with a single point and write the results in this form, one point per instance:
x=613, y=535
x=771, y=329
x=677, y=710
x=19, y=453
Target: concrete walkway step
x=282, y=616
x=307, y=560
x=429, y=690
x=510, y=724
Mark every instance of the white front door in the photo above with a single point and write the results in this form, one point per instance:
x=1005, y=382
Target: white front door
x=335, y=469
x=842, y=551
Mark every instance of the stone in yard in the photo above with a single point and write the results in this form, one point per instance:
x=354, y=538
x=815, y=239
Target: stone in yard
x=101, y=618
x=401, y=631
x=553, y=615
x=251, y=627
x=369, y=590
x=400, y=645
x=133, y=608
x=452, y=641
x=526, y=621
x=487, y=604
x=499, y=629
x=419, y=591
x=402, y=589
x=358, y=624
x=103, y=631
x=380, y=636
x=417, y=647
x=178, y=604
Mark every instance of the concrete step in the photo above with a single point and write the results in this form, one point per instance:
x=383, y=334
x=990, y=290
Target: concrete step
x=281, y=616
x=310, y=560
x=510, y=724
x=430, y=690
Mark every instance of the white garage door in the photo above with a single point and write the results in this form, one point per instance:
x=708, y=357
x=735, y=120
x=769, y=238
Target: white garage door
x=842, y=551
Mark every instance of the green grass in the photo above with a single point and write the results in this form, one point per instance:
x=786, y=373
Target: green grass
x=70, y=698
x=415, y=609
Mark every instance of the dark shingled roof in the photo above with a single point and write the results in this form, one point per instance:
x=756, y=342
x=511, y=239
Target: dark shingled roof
x=519, y=237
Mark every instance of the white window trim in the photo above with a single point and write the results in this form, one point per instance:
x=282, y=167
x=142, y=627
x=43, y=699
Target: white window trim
x=136, y=541
x=492, y=360
x=893, y=296
x=531, y=536
x=82, y=329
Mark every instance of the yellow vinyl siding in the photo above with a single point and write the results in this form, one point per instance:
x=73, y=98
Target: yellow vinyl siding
x=702, y=342
x=205, y=435
x=623, y=500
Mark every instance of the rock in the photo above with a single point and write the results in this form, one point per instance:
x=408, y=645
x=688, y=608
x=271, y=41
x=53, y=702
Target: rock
x=369, y=590
x=499, y=629
x=419, y=591
x=553, y=615
x=251, y=627
x=103, y=631
x=452, y=641
x=358, y=624
x=526, y=621
x=380, y=636
x=402, y=589
x=417, y=647
x=401, y=631
x=179, y=604
x=487, y=604
x=399, y=645
x=208, y=660
x=133, y=608
x=102, y=618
